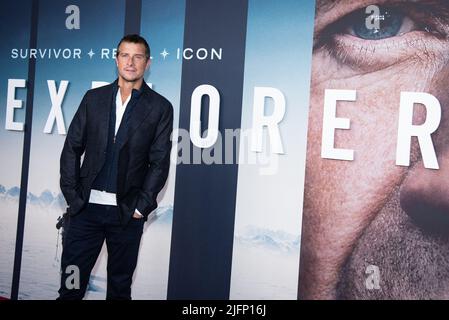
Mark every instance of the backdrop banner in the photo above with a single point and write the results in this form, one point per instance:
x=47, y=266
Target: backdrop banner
x=309, y=154
x=237, y=73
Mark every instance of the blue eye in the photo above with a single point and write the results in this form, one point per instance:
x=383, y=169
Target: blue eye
x=389, y=24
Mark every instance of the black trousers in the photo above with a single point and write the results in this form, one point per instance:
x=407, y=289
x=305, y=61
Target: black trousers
x=83, y=240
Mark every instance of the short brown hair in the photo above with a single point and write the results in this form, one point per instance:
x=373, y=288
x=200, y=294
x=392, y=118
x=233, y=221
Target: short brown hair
x=135, y=38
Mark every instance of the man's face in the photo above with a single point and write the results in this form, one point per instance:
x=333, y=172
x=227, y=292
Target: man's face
x=370, y=211
x=131, y=61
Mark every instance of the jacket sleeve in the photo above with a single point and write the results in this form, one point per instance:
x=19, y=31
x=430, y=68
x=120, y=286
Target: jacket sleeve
x=159, y=164
x=74, y=146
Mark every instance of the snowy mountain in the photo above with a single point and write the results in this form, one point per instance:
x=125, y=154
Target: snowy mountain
x=164, y=215
x=45, y=199
x=13, y=192
x=269, y=239
x=48, y=198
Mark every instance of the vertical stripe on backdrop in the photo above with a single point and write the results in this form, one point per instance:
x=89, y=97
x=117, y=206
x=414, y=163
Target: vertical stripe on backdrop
x=205, y=195
x=26, y=153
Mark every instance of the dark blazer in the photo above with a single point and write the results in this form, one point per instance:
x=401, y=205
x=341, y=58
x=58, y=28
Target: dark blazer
x=144, y=156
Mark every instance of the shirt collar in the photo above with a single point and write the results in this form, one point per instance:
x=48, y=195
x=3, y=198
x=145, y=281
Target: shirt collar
x=135, y=93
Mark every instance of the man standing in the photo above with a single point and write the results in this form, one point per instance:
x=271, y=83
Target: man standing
x=124, y=130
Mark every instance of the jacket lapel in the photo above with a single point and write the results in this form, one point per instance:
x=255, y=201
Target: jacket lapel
x=104, y=113
x=138, y=114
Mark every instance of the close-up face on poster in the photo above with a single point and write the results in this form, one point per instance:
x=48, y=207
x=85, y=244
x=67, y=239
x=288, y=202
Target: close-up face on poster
x=375, y=217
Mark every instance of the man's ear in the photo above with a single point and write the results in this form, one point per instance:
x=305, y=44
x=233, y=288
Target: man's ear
x=148, y=64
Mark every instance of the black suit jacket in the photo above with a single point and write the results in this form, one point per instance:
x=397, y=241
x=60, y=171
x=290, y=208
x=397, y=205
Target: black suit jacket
x=144, y=156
